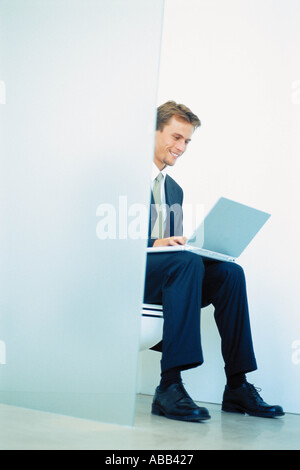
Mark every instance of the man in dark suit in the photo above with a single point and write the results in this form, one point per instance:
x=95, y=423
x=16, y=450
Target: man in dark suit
x=183, y=282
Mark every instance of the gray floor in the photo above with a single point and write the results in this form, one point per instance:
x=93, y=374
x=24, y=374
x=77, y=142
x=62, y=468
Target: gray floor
x=26, y=429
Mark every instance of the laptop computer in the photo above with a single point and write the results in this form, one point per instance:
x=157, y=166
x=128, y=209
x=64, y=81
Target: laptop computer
x=224, y=233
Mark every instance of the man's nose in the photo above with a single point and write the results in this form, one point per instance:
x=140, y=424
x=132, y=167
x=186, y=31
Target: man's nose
x=181, y=146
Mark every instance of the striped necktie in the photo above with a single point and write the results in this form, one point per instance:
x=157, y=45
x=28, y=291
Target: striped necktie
x=158, y=231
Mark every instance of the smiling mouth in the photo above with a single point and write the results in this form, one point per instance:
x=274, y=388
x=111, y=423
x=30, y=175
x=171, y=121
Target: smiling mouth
x=175, y=155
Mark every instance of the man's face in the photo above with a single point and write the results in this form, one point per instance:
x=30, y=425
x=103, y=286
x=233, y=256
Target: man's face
x=171, y=142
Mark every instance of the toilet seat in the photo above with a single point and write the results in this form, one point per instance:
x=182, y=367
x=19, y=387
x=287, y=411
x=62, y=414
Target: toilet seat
x=151, y=326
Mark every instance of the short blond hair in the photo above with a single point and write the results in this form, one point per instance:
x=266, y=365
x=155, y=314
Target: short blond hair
x=172, y=109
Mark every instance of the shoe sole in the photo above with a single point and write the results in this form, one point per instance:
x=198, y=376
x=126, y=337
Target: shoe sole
x=156, y=410
x=231, y=409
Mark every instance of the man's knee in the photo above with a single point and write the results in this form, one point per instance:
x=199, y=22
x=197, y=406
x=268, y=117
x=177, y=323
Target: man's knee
x=234, y=271
x=186, y=258
x=189, y=263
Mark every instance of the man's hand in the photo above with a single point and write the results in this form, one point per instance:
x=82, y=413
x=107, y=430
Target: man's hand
x=171, y=241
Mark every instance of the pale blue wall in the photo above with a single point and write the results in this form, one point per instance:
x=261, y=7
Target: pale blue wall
x=77, y=131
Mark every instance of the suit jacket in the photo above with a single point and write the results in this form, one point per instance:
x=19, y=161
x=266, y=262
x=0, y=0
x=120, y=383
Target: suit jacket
x=174, y=220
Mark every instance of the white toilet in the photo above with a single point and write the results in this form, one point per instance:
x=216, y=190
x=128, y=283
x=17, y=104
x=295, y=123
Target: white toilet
x=151, y=326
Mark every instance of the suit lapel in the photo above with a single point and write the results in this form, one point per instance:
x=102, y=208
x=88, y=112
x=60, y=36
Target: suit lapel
x=173, y=198
x=169, y=192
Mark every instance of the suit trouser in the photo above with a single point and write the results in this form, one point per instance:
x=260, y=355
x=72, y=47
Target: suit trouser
x=183, y=282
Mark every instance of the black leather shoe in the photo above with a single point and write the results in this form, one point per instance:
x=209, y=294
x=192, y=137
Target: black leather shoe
x=175, y=403
x=246, y=399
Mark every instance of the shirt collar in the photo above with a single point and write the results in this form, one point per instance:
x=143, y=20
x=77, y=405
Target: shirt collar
x=156, y=171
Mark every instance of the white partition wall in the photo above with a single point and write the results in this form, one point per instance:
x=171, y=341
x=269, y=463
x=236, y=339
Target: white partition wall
x=237, y=66
x=78, y=84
